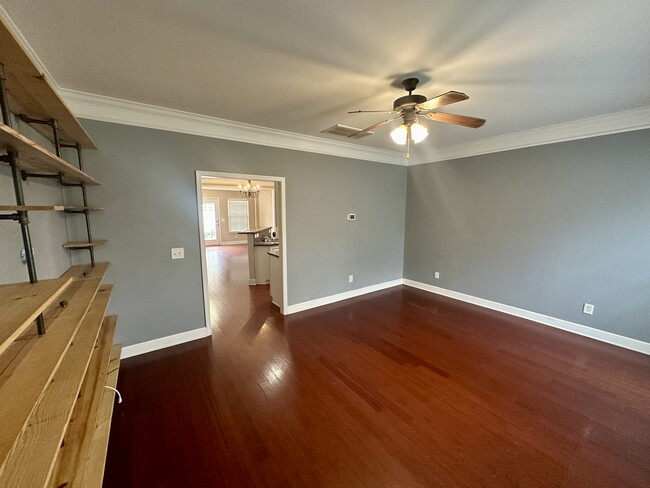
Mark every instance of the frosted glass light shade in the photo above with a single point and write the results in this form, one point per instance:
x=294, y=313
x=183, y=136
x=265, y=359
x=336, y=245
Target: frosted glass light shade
x=398, y=135
x=418, y=132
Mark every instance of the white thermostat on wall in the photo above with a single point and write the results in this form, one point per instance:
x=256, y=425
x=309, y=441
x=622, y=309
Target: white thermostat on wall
x=352, y=216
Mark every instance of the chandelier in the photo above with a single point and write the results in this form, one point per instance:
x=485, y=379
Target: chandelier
x=249, y=190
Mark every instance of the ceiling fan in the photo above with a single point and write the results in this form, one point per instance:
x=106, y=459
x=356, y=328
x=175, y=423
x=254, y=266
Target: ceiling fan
x=410, y=106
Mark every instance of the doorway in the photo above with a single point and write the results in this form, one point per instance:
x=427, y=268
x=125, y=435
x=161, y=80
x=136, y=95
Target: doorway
x=236, y=232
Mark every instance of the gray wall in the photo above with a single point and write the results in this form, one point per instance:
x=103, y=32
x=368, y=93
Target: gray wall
x=543, y=228
x=148, y=192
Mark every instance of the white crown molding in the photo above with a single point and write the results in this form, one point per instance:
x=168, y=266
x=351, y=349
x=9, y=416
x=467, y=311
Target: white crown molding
x=629, y=120
x=108, y=109
x=583, y=330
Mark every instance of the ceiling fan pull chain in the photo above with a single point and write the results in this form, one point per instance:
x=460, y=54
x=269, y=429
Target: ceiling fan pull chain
x=408, y=142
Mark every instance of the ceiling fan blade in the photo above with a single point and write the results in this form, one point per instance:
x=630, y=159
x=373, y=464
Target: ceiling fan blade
x=464, y=120
x=373, y=112
x=374, y=126
x=442, y=100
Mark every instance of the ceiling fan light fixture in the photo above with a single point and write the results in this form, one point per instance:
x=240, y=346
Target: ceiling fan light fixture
x=398, y=134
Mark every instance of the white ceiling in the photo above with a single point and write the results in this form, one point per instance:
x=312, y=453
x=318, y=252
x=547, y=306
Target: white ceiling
x=299, y=66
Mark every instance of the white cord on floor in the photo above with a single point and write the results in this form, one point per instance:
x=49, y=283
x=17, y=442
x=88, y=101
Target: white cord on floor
x=119, y=397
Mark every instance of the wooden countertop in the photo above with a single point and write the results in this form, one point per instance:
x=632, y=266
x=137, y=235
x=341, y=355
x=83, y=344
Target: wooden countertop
x=254, y=231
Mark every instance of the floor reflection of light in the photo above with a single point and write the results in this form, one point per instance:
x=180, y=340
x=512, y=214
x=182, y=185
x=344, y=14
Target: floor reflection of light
x=274, y=373
x=276, y=370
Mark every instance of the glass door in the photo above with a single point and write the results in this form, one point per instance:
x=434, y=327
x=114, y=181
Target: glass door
x=211, y=233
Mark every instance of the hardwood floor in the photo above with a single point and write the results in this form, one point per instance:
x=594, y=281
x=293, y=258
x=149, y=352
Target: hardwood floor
x=400, y=388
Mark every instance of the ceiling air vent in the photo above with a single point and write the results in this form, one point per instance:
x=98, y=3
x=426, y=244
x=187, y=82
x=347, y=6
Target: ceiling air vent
x=345, y=131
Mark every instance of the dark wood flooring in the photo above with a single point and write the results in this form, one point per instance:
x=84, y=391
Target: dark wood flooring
x=400, y=388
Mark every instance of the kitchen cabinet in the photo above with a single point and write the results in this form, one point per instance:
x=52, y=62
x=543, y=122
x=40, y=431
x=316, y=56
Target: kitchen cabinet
x=262, y=272
x=275, y=268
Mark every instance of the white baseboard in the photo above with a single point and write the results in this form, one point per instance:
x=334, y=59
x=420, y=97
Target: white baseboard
x=163, y=342
x=319, y=302
x=583, y=330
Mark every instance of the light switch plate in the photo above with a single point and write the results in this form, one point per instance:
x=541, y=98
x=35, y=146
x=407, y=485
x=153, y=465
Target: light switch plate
x=178, y=253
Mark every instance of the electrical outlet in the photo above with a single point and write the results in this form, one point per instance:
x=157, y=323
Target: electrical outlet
x=178, y=253
x=588, y=308
x=23, y=255
x=436, y=275
x=352, y=217
x=350, y=278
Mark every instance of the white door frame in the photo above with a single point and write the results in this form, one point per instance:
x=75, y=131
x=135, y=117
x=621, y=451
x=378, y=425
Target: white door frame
x=217, y=217
x=283, y=241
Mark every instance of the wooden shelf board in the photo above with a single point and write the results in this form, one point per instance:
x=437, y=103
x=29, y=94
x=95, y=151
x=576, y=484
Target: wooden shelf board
x=21, y=303
x=32, y=461
x=28, y=365
x=30, y=93
x=94, y=472
x=84, y=244
x=31, y=208
x=72, y=460
x=81, y=271
x=36, y=159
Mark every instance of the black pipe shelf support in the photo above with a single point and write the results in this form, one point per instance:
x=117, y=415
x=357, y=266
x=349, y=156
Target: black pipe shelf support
x=58, y=177
x=21, y=216
x=85, y=211
x=18, y=176
x=52, y=123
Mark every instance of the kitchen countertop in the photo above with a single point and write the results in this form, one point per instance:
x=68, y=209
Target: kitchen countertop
x=262, y=243
x=254, y=231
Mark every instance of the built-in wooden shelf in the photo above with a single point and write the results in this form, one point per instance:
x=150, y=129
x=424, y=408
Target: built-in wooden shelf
x=31, y=462
x=28, y=365
x=31, y=208
x=36, y=159
x=55, y=411
x=43, y=208
x=30, y=92
x=71, y=463
x=21, y=303
x=93, y=471
x=84, y=244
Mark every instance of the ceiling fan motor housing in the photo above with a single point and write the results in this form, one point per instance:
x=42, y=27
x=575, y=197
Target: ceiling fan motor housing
x=408, y=101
